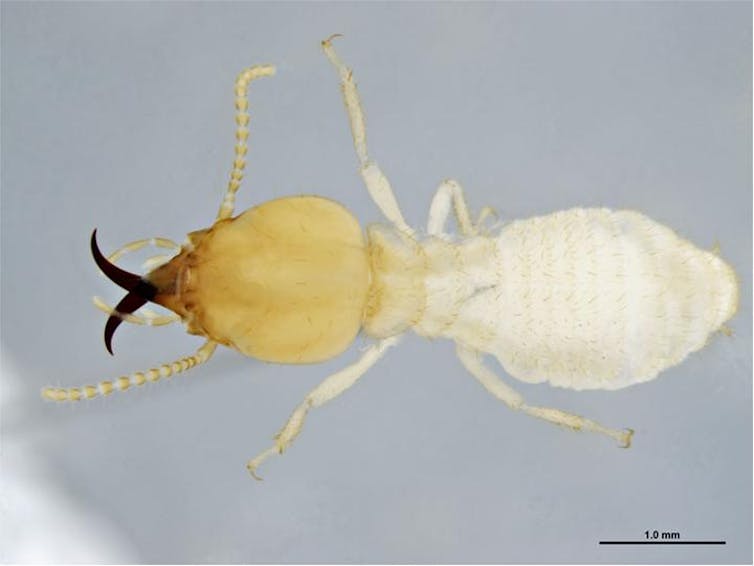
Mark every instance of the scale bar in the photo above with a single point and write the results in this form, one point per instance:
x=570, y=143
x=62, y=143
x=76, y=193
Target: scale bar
x=662, y=542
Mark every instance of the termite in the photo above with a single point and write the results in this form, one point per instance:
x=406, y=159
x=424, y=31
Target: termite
x=582, y=298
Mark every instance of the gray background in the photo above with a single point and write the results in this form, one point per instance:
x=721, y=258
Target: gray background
x=119, y=116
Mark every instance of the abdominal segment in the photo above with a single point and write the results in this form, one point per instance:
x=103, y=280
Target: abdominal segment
x=591, y=298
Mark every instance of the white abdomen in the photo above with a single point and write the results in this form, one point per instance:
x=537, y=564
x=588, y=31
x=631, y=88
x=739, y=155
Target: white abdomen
x=583, y=298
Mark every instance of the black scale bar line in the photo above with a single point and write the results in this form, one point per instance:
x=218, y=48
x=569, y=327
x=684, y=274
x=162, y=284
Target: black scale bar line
x=662, y=542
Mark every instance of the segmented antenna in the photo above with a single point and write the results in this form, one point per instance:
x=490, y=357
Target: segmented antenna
x=242, y=134
x=126, y=382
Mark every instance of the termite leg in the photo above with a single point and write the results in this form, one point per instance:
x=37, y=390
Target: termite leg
x=123, y=383
x=473, y=363
x=328, y=390
x=484, y=214
x=375, y=180
x=448, y=192
x=242, y=134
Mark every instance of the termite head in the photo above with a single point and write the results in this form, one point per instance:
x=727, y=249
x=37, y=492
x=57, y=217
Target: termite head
x=286, y=281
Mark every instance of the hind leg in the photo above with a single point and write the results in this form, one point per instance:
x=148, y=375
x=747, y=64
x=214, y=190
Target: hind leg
x=473, y=363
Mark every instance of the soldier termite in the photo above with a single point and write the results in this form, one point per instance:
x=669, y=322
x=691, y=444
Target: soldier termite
x=582, y=298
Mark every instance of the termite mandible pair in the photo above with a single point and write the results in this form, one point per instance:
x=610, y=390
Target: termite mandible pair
x=582, y=298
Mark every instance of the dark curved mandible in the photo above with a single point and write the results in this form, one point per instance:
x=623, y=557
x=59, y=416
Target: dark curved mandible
x=117, y=275
x=127, y=305
x=139, y=291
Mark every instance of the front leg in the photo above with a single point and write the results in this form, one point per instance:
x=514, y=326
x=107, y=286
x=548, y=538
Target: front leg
x=329, y=389
x=377, y=183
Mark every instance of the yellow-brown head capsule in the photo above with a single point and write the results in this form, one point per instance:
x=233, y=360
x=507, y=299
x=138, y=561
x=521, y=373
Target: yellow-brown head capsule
x=286, y=281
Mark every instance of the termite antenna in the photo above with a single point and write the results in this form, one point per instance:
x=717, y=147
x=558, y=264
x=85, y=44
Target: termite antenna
x=137, y=379
x=242, y=135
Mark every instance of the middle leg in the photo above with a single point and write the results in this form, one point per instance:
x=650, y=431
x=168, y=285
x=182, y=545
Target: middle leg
x=451, y=191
